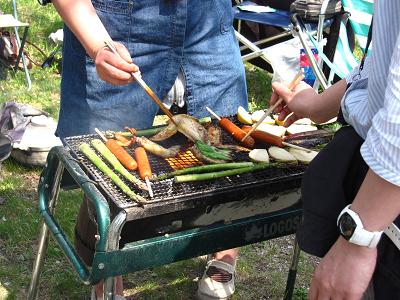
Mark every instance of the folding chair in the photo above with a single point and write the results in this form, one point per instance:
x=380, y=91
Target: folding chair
x=8, y=21
x=359, y=15
x=280, y=19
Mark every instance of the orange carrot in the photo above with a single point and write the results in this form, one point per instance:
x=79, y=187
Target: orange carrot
x=264, y=137
x=123, y=156
x=143, y=163
x=236, y=132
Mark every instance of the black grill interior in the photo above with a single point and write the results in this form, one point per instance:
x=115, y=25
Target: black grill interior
x=168, y=190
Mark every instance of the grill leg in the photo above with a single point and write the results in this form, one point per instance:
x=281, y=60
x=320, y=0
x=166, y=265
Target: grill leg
x=113, y=244
x=44, y=236
x=37, y=266
x=291, y=279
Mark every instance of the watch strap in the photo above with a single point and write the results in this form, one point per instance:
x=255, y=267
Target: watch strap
x=366, y=238
x=393, y=232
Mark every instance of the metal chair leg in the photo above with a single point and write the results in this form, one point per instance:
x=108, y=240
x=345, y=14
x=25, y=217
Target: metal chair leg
x=291, y=279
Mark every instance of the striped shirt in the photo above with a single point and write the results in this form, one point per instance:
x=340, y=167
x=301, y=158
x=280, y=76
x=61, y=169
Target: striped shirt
x=372, y=103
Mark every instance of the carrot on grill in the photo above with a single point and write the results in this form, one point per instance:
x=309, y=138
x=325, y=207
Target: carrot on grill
x=144, y=167
x=123, y=156
x=237, y=133
x=264, y=137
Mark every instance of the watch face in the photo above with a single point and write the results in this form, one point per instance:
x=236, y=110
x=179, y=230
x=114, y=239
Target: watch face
x=347, y=226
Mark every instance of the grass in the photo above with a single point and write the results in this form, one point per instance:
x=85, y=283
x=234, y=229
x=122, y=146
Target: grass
x=262, y=267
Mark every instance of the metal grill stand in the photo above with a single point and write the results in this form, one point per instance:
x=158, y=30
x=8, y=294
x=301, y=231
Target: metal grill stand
x=199, y=237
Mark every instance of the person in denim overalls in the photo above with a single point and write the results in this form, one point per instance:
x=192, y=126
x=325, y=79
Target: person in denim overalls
x=165, y=38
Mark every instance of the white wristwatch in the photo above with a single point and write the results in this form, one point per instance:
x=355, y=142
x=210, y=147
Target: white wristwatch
x=352, y=229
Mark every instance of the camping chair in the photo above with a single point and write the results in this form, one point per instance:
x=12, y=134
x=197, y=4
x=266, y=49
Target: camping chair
x=280, y=19
x=359, y=15
x=8, y=21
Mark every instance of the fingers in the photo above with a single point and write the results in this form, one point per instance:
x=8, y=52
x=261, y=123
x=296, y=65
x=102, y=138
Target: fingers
x=290, y=120
x=123, y=52
x=115, y=69
x=281, y=91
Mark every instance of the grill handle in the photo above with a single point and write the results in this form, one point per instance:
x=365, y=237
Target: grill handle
x=58, y=159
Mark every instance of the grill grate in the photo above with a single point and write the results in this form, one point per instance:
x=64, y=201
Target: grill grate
x=167, y=190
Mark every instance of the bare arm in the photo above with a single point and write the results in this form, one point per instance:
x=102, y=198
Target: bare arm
x=82, y=19
x=304, y=102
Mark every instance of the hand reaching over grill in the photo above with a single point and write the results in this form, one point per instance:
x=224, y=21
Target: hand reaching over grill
x=293, y=101
x=112, y=68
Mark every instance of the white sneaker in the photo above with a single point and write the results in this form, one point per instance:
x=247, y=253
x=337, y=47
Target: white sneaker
x=210, y=289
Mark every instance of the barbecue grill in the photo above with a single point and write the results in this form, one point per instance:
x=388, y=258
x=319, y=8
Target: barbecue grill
x=181, y=221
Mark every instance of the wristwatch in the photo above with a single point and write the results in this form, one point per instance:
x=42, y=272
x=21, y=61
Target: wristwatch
x=352, y=229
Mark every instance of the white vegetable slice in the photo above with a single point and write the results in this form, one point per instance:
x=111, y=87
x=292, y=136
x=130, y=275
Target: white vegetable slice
x=257, y=115
x=302, y=155
x=280, y=154
x=259, y=155
x=272, y=129
x=304, y=121
x=296, y=128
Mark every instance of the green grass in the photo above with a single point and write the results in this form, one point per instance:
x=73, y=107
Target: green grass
x=262, y=268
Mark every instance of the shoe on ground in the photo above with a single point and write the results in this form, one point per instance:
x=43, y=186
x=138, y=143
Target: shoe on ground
x=210, y=289
x=93, y=296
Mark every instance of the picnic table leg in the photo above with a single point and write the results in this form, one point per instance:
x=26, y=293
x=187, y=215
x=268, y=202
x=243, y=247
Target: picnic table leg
x=113, y=244
x=44, y=236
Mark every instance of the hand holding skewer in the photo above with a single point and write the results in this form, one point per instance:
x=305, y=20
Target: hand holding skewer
x=296, y=80
x=145, y=87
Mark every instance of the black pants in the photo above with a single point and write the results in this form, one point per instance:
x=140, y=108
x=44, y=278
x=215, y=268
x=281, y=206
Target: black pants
x=331, y=182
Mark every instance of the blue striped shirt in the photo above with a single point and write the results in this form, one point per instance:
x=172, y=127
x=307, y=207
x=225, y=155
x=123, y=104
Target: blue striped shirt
x=372, y=104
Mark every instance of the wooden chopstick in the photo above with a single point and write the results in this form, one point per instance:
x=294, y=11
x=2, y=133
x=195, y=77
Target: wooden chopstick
x=145, y=87
x=296, y=80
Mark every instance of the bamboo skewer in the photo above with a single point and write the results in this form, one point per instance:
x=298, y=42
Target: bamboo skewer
x=145, y=87
x=296, y=80
x=214, y=114
x=296, y=147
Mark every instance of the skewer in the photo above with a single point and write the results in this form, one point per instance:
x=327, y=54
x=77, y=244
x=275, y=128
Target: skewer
x=296, y=147
x=103, y=137
x=296, y=80
x=233, y=130
x=145, y=87
x=213, y=113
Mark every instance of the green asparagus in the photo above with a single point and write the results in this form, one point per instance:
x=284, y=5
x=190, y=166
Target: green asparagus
x=214, y=175
x=96, y=160
x=204, y=168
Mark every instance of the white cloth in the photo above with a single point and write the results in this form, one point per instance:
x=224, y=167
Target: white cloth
x=177, y=93
x=372, y=103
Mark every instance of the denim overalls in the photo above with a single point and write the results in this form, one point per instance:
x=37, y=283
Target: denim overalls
x=163, y=36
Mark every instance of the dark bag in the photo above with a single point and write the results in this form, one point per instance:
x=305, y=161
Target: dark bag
x=8, y=47
x=310, y=9
x=9, y=50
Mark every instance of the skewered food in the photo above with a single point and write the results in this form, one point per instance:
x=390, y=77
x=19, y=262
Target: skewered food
x=259, y=155
x=112, y=159
x=157, y=149
x=280, y=154
x=303, y=156
x=96, y=160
